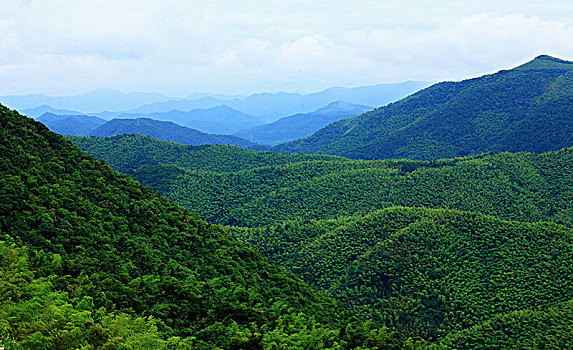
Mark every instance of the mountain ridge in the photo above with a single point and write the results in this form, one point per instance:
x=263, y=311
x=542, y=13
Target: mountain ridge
x=522, y=109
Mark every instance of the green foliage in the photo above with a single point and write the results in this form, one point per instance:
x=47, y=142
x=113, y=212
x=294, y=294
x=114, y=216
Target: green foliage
x=246, y=188
x=524, y=109
x=34, y=315
x=427, y=273
x=549, y=328
x=96, y=260
x=127, y=153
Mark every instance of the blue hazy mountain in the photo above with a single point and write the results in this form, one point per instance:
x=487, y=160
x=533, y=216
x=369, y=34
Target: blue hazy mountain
x=273, y=106
x=215, y=120
x=94, y=101
x=167, y=131
x=79, y=125
x=43, y=109
x=301, y=125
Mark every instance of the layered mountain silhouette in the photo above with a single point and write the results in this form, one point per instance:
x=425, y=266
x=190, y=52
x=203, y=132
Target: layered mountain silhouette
x=79, y=125
x=301, y=125
x=528, y=108
x=167, y=131
x=273, y=106
x=215, y=120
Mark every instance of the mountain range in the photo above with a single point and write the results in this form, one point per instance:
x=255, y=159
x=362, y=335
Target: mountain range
x=272, y=107
x=215, y=120
x=80, y=125
x=527, y=108
x=109, y=104
x=92, y=259
x=90, y=102
x=434, y=249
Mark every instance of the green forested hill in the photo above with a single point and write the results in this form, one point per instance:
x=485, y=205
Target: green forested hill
x=246, y=188
x=91, y=259
x=528, y=108
x=429, y=273
x=540, y=328
x=129, y=152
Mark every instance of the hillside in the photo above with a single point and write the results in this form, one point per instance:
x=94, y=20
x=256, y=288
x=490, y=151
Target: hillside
x=79, y=125
x=429, y=273
x=300, y=125
x=91, y=259
x=528, y=108
x=128, y=152
x=246, y=188
x=167, y=131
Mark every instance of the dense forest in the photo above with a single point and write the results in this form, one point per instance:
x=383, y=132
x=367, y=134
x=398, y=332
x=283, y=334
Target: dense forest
x=91, y=259
x=230, y=186
x=527, y=108
x=426, y=272
x=432, y=274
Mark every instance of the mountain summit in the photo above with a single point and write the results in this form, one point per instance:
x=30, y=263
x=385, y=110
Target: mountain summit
x=528, y=108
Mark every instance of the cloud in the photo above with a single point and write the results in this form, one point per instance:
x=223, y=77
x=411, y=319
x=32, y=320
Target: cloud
x=175, y=46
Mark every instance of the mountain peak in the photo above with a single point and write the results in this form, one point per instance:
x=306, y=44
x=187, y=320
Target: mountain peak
x=546, y=62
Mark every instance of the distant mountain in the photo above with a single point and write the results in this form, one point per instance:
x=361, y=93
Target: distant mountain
x=272, y=107
x=79, y=125
x=94, y=101
x=215, y=120
x=529, y=108
x=167, y=131
x=301, y=125
x=38, y=111
x=181, y=105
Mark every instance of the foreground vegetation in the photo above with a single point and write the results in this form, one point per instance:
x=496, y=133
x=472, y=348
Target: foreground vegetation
x=91, y=259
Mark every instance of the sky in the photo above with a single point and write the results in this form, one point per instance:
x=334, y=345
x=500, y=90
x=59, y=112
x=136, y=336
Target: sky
x=179, y=47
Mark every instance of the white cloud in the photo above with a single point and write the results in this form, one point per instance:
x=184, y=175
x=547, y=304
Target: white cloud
x=176, y=46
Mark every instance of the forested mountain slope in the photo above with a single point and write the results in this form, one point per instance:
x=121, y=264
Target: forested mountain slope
x=538, y=328
x=167, y=131
x=245, y=188
x=91, y=259
x=429, y=273
x=129, y=152
x=528, y=108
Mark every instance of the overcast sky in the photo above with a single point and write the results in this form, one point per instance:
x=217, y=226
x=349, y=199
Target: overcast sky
x=177, y=47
